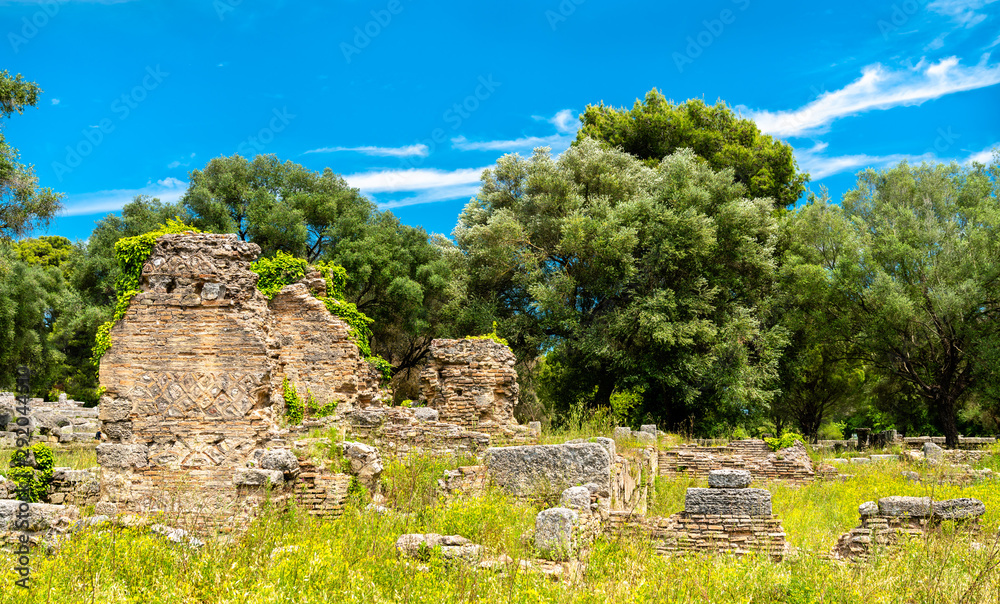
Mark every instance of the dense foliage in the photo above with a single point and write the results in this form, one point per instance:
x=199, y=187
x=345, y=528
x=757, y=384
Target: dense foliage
x=31, y=470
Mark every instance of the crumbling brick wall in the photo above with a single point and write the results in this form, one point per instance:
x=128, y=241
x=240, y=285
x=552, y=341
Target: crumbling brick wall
x=193, y=376
x=791, y=464
x=470, y=382
x=396, y=432
x=680, y=533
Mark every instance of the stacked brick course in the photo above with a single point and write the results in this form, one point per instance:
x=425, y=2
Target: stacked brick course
x=471, y=383
x=791, y=464
x=319, y=491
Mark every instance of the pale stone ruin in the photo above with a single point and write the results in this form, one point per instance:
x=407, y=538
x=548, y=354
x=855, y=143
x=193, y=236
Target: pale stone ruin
x=895, y=518
x=64, y=421
x=791, y=464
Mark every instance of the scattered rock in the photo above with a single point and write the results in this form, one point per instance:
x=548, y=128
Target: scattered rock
x=452, y=547
x=554, y=532
x=933, y=453
x=426, y=414
x=535, y=427
x=577, y=498
x=911, y=507
x=366, y=463
x=911, y=476
x=622, y=433
x=727, y=478
x=958, y=509
x=867, y=509
x=252, y=477
x=282, y=460
x=648, y=428
x=534, y=469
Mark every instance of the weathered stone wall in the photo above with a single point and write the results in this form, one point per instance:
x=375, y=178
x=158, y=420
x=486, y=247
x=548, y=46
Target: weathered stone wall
x=74, y=487
x=319, y=491
x=470, y=382
x=396, y=432
x=194, y=374
x=680, y=533
x=791, y=464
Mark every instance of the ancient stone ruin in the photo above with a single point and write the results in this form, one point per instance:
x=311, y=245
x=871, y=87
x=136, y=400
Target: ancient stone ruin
x=791, y=464
x=194, y=375
x=726, y=517
x=896, y=518
x=471, y=383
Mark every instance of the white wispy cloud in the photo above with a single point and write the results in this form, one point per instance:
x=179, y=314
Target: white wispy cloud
x=878, y=88
x=419, y=150
x=565, y=121
x=413, y=179
x=964, y=12
x=555, y=141
x=820, y=166
x=56, y=101
x=168, y=190
x=432, y=196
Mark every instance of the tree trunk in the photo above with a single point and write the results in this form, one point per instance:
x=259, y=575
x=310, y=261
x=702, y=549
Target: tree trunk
x=945, y=405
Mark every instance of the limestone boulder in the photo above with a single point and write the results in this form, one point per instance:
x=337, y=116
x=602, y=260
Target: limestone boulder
x=450, y=547
x=282, y=460
x=645, y=438
x=254, y=477
x=554, y=532
x=958, y=509
x=40, y=516
x=900, y=506
x=576, y=498
x=119, y=456
x=622, y=433
x=728, y=478
x=933, y=453
x=540, y=469
x=868, y=509
x=426, y=414
x=735, y=502
x=648, y=428
x=365, y=463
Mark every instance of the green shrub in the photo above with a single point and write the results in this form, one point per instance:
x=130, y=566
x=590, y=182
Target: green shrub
x=275, y=273
x=294, y=409
x=32, y=483
x=318, y=410
x=786, y=440
x=490, y=336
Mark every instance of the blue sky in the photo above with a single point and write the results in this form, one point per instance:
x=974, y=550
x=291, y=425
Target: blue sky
x=410, y=100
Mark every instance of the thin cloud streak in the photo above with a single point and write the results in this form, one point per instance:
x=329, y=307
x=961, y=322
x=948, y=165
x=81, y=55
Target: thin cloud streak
x=878, y=88
x=412, y=179
x=419, y=150
x=819, y=166
x=557, y=142
x=168, y=190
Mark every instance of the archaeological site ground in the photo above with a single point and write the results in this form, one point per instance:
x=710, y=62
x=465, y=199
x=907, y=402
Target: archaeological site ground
x=249, y=452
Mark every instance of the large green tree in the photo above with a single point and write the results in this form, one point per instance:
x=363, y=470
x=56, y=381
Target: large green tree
x=906, y=273
x=632, y=278
x=23, y=205
x=654, y=129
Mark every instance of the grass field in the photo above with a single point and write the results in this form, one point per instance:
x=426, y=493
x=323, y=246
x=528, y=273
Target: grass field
x=288, y=557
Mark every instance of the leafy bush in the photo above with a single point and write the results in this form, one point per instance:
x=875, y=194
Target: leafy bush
x=318, y=410
x=294, y=409
x=275, y=273
x=786, y=440
x=32, y=483
x=490, y=336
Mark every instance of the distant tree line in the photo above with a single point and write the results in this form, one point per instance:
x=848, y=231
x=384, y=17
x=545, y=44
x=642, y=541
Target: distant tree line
x=658, y=270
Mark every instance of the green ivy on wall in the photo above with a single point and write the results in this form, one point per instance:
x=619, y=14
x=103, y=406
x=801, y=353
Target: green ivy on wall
x=294, y=409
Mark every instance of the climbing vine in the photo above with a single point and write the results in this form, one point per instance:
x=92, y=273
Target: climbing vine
x=294, y=409
x=275, y=273
x=32, y=482
x=131, y=254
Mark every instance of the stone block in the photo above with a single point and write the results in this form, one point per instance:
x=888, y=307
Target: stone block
x=366, y=463
x=729, y=479
x=252, y=477
x=860, y=460
x=728, y=502
x=40, y=516
x=121, y=431
x=958, y=509
x=577, y=498
x=607, y=443
x=868, y=509
x=622, y=433
x=535, y=427
x=538, y=469
x=451, y=547
x=114, y=409
x=113, y=455
x=282, y=460
x=426, y=414
x=554, y=532
x=645, y=438
x=106, y=508
x=933, y=453
x=648, y=428
x=899, y=506
x=838, y=460
x=884, y=458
